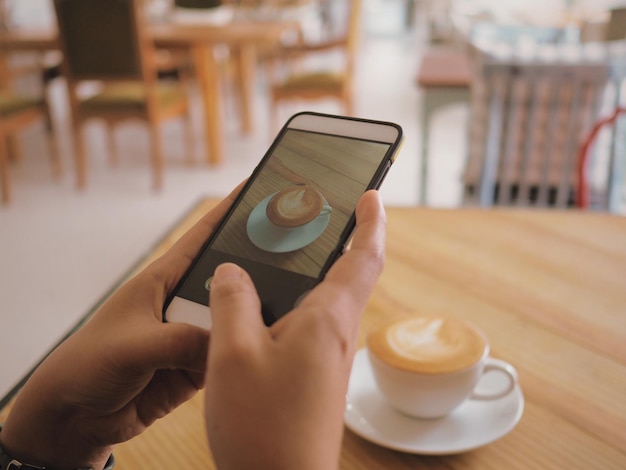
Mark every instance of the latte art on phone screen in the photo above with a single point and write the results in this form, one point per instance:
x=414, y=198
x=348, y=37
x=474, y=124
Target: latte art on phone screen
x=295, y=206
x=428, y=344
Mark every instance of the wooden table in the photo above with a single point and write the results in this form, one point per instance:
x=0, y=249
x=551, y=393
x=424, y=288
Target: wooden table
x=243, y=38
x=549, y=290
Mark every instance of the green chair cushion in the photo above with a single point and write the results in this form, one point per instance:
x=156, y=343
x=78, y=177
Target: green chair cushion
x=131, y=97
x=313, y=80
x=11, y=104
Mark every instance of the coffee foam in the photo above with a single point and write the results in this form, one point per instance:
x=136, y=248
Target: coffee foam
x=428, y=344
x=294, y=206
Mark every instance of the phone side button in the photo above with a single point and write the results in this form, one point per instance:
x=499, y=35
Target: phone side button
x=380, y=179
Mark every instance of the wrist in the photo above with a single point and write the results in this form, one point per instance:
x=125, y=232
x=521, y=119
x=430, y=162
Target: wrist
x=39, y=446
x=31, y=460
x=45, y=439
x=45, y=429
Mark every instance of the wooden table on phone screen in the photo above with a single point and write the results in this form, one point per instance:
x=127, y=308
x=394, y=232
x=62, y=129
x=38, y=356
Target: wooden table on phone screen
x=549, y=290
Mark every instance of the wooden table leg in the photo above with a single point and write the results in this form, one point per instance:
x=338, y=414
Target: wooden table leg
x=5, y=181
x=245, y=58
x=209, y=82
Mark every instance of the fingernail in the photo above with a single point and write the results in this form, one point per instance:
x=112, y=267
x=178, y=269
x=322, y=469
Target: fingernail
x=227, y=271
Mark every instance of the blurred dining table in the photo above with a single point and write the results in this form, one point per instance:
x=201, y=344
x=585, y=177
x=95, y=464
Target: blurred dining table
x=514, y=26
x=242, y=36
x=539, y=13
x=548, y=288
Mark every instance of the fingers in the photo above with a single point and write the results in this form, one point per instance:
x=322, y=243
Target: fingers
x=350, y=281
x=358, y=269
x=235, y=309
x=168, y=346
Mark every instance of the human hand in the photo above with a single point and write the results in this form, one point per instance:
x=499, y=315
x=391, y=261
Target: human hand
x=119, y=373
x=275, y=396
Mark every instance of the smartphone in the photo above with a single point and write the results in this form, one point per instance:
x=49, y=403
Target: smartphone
x=294, y=216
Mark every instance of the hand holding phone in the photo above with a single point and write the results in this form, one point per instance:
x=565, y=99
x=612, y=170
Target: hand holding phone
x=295, y=214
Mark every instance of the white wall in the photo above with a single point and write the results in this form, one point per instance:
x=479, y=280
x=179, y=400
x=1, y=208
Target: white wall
x=31, y=12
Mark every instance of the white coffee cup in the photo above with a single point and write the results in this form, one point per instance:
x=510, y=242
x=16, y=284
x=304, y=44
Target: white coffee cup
x=427, y=366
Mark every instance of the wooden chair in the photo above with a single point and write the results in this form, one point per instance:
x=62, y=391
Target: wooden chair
x=445, y=74
x=304, y=82
x=527, y=120
x=104, y=41
x=17, y=112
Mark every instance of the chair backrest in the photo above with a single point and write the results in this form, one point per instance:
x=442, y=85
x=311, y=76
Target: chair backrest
x=616, y=28
x=339, y=40
x=102, y=39
x=528, y=120
x=344, y=30
x=198, y=4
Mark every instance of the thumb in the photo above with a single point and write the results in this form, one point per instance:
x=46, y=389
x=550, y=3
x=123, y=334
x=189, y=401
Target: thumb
x=168, y=346
x=235, y=308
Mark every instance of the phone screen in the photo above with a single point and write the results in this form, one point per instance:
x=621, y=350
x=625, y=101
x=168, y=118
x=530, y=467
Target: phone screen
x=285, y=256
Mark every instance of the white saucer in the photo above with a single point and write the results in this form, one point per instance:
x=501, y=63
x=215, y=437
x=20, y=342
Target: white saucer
x=269, y=237
x=474, y=424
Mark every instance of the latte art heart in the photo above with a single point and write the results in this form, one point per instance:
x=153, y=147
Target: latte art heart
x=423, y=339
x=428, y=344
x=294, y=206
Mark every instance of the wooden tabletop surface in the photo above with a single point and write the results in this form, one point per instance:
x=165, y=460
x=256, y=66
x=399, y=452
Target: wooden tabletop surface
x=164, y=34
x=548, y=289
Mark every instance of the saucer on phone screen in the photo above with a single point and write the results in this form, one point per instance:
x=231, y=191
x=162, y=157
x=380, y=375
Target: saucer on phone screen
x=269, y=237
x=474, y=424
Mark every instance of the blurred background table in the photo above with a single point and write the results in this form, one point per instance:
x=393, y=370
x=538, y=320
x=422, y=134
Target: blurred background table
x=547, y=287
x=200, y=39
x=243, y=38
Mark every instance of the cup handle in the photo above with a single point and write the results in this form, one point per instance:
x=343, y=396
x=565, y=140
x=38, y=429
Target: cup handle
x=497, y=365
x=327, y=209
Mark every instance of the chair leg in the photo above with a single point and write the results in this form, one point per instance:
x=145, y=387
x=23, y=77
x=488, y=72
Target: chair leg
x=188, y=130
x=349, y=106
x=274, y=124
x=156, y=157
x=80, y=162
x=112, y=148
x=423, y=174
x=348, y=103
x=51, y=138
x=53, y=148
x=13, y=148
x=4, y=171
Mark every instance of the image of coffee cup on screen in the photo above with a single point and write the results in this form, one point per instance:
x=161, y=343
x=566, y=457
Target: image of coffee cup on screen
x=289, y=219
x=296, y=206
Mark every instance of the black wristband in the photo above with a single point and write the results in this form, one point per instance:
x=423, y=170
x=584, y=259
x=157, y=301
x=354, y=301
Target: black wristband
x=9, y=463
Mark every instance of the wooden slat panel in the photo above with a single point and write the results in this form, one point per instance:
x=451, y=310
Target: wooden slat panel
x=528, y=118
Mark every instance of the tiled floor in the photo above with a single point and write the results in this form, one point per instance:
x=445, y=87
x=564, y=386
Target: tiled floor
x=60, y=250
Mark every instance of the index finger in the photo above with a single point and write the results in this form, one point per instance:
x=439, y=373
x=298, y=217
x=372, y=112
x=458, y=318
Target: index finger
x=350, y=281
